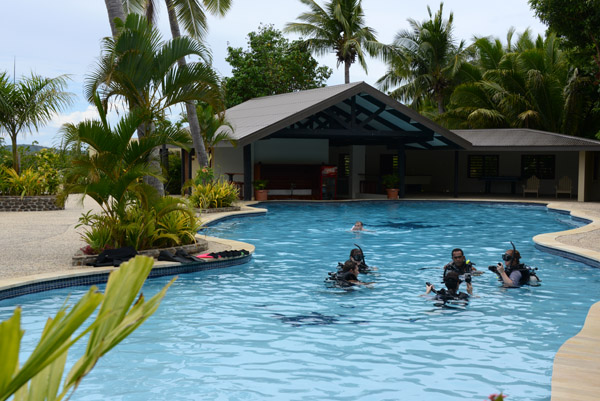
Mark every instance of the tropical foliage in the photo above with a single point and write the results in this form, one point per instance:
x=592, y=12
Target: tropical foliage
x=111, y=173
x=527, y=84
x=119, y=314
x=271, y=65
x=29, y=104
x=339, y=26
x=577, y=22
x=214, y=194
x=208, y=193
x=424, y=65
x=215, y=129
x=29, y=183
x=140, y=69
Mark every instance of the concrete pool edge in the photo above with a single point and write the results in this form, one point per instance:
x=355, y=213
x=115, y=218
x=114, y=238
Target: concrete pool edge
x=15, y=287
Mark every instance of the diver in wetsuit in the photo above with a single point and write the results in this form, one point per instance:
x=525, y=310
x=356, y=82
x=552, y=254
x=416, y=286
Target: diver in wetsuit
x=358, y=258
x=451, y=292
x=459, y=264
x=347, y=276
x=514, y=273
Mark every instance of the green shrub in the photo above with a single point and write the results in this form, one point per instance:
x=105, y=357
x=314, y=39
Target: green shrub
x=29, y=183
x=167, y=222
x=214, y=194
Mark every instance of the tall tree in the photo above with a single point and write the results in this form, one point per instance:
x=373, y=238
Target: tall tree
x=191, y=14
x=526, y=84
x=141, y=69
x=29, y=104
x=424, y=66
x=271, y=65
x=338, y=26
x=576, y=21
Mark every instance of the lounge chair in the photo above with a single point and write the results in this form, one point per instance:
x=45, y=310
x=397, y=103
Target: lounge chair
x=564, y=186
x=532, y=185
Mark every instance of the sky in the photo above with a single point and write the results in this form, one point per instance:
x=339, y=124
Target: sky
x=52, y=38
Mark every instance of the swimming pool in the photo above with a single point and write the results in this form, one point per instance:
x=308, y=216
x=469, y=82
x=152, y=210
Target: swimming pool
x=271, y=329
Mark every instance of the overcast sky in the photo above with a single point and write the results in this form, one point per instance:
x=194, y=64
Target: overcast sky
x=57, y=37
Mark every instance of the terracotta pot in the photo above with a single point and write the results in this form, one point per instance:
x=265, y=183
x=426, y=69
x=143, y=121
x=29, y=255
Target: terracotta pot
x=260, y=194
x=392, y=193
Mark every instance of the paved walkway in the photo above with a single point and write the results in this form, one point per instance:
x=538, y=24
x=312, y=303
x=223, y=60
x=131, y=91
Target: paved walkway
x=41, y=245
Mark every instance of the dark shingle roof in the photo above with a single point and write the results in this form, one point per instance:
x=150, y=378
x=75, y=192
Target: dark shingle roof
x=526, y=139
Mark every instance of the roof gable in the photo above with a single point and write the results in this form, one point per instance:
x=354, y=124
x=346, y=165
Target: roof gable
x=354, y=112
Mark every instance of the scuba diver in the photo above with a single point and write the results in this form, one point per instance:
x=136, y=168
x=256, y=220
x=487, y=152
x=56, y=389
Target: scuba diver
x=460, y=265
x=358, y=258
x=347, y=276
x=514, y=273
x=450, y=293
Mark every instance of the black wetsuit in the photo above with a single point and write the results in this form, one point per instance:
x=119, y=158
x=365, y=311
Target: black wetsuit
x=465, y=268
x=445, y=295
x=362, y=267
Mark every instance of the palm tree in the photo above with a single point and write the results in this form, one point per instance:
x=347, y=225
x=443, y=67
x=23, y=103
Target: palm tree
x=528, y=84
x=30, y=104
x=141, y=69
x=425, y=64
x=111, y=172
x=192, y=16
x=215, y=128
x=338, y=26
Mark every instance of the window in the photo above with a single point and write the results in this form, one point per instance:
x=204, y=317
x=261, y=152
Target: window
x=343, y=165
x=388, y=164
x=483, y=166
x=542, y=166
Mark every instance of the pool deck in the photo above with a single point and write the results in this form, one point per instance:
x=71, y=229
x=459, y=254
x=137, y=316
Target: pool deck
x=38, y=246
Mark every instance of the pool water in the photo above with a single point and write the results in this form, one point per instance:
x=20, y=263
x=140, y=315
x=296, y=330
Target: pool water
x=272, y=329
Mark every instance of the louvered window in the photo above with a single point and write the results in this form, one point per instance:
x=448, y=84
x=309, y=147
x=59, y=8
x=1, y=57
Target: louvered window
x=483, y=166
x=542, y=166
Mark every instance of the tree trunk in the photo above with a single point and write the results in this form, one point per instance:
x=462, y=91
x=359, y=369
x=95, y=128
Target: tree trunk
x=15, y=152
x=347, y=71
x=201, y=156
x=115, y=10
x=153, y=160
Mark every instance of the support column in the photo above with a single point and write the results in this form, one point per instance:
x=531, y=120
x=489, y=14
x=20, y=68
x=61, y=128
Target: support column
x=456, y=173
x=586, y=174
x=248, y=172
x=401, y=171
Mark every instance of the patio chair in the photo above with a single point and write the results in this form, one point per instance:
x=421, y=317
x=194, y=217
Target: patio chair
x=564, y=186
x=532, y=185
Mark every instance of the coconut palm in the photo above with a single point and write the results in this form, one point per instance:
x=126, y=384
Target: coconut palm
x=193, y=18
x=425, y=64
x=338, y=26
x=527, y=84
x=30, y=104
x=140, y=69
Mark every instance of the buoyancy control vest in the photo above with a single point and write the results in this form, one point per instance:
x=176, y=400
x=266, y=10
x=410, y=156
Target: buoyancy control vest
x=521, y=268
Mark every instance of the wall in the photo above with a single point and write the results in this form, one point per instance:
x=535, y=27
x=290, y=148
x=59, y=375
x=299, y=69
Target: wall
x=28, y=203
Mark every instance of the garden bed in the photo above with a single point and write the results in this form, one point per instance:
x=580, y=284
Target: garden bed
x=29, y=203
x=81, y=259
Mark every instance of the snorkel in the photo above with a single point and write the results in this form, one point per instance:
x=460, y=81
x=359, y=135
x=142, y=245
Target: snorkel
x=514, y=254
x=363, y=254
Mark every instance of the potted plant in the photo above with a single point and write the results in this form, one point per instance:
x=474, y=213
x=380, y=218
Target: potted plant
x=260, y=192
x=390, y=182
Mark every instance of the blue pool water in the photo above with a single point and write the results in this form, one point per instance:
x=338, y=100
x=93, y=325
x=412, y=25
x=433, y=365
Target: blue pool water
x=271, y=329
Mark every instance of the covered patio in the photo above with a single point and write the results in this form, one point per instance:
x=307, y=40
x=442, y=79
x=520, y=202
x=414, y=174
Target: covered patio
x=296, y=140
